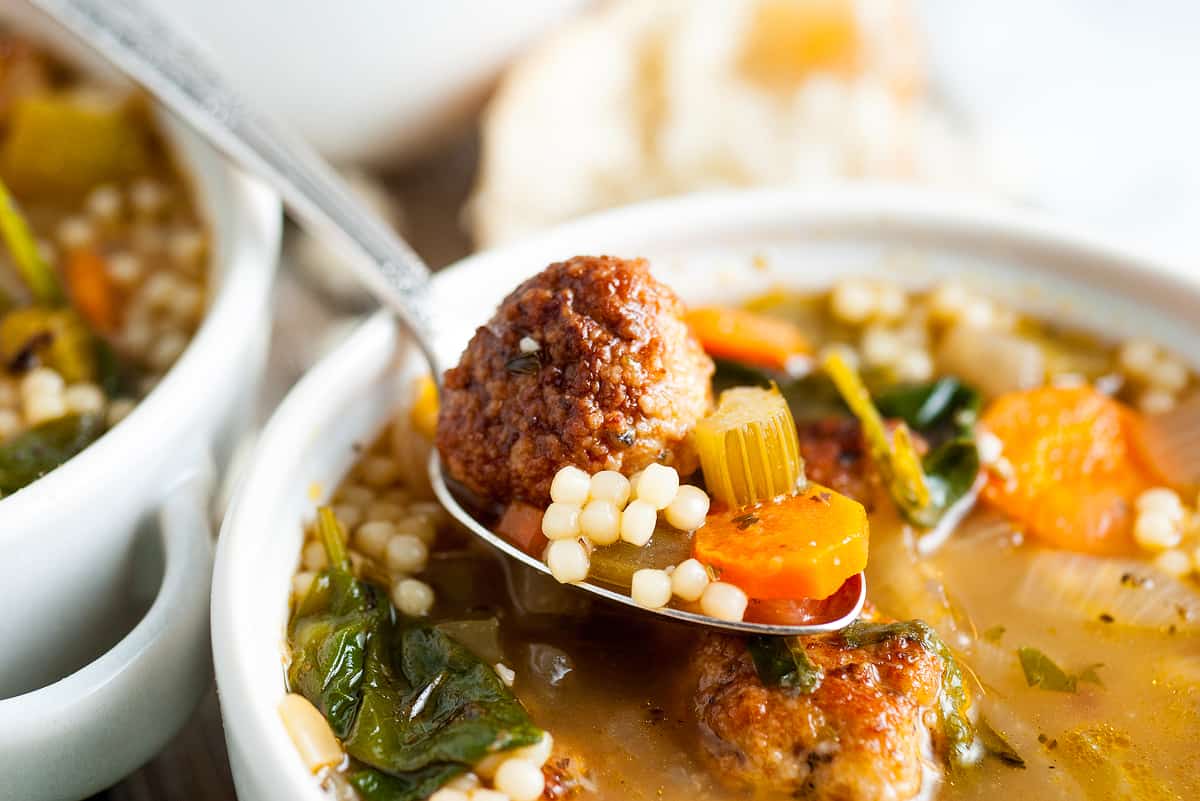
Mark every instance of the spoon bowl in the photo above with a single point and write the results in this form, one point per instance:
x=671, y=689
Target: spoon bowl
x=845, y=605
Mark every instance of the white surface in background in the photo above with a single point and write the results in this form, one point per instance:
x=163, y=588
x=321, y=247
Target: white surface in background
x=1097, y=100
x=365, y=80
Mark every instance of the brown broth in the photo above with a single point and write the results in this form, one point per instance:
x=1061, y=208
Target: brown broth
x=613, y=688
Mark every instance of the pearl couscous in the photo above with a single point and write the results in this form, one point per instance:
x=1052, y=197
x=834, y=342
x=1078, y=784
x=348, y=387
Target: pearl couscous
x=104, y=279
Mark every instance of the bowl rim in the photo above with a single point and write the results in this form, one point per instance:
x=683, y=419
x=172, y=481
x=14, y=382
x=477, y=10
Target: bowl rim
x=948, y=218
x=245, y=221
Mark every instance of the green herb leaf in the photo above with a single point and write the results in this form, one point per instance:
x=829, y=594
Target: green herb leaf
x=952, y=702
x=994, y=633
x=783, y=662
x=995, y=744
x=34, y=453
x=1042, y=671
x=1090, y=675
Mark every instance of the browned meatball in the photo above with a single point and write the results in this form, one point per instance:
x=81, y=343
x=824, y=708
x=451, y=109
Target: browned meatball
x=866, y=733
x=617, y=381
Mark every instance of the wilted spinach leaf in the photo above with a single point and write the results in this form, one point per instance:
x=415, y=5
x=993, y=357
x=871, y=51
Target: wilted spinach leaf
x=944, y=412
x=374, y=785
x=938, y=409
x=412, y=706
x=30, y=455
x=331, y=630
x=783, y=662
x=428, y=700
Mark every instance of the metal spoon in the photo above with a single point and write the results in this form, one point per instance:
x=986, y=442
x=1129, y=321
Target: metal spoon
x=139, y=43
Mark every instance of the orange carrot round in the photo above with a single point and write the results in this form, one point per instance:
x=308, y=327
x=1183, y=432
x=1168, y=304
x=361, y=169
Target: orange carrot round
x=802, y=546
x=741, y=335
x=1075, y=471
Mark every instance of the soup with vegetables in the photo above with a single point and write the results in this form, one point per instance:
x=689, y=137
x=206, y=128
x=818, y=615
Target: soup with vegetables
x=102, y=275
x=1025, y=520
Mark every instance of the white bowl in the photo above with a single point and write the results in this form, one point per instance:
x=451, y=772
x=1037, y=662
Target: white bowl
x=706, y=247
x=374, y=80
x=77, y=686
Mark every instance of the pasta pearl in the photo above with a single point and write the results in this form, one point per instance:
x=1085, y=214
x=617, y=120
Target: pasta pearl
x=1168, y=375
x=1156, y=532
x=568, y=561
x=651, y=588
x=723, y=601
x=914, y=365
x=372, y=537
x=880, y=347
x=1161, y=500
x=638, y=522
x=570, y=485
x=560, y=521
x=412, y=597
x=379, y=471
x=418, y=525
x=1175, y=562
x=657, y=485
x=891, y=301
x=483, y=794
x=406, y=554
x=1156, y=401
x=600, y=522
x=853, y=301
x=538, y=753
x=689, y=579
x=449, y=794
x=520, y=780
x=609, y=485
x=313, y=556
x=688, y=509
x=301, y=582
x=84, y=399
x=1138, y=357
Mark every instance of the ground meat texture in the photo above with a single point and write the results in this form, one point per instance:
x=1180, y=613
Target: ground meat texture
x=836, y=456
x=865, y=734
x=617, y=382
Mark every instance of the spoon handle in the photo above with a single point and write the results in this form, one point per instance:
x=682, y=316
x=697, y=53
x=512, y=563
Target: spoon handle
x=137, y=41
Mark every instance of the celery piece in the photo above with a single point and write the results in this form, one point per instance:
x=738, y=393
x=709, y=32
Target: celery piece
x=748, y=447
x=894, y=456
x=57, y=338
x=35, y=272
x=61, y=145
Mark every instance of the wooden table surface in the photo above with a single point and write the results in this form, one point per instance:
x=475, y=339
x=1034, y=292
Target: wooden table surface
x=429, y=196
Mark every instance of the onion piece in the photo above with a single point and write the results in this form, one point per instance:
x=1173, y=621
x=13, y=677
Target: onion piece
x=994, y=362
x=1131, y=592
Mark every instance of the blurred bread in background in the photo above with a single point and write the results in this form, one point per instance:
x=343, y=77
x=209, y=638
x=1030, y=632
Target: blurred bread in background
x=636, y=100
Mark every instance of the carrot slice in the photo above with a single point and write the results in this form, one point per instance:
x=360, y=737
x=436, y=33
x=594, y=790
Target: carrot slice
x=802, y=546
x=744, y=336
x=521, y=524
x=91, y=290
x=1075, y=468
